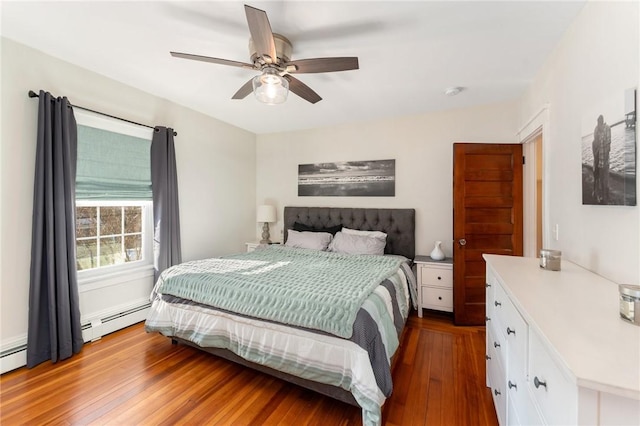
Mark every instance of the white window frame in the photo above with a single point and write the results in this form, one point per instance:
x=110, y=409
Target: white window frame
x=87, y=275
x=113, y=274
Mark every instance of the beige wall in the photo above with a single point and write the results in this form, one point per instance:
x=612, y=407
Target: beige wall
x=421, y=146
x=596, y=61
x=216, y=176
x=597, y=58
x=224, y=173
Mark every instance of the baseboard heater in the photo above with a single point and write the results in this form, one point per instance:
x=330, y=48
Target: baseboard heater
x=16, y=355
x=13, y=350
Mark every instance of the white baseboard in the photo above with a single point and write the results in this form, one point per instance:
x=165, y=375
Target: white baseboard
x=13, y=354
x=13, y=361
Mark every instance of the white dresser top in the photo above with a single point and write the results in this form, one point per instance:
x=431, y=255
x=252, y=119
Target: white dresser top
x=577, y=313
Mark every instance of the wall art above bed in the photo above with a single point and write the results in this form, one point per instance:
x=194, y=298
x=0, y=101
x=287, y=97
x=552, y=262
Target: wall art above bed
x=376, y=178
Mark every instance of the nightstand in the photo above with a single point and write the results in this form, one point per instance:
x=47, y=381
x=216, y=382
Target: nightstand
x=251, y=246
x=435, y=284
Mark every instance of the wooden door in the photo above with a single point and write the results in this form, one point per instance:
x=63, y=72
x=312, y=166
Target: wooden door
x=487, y=218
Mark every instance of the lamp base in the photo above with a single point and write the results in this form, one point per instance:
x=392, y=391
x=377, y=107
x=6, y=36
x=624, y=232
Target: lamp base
x=265, y=234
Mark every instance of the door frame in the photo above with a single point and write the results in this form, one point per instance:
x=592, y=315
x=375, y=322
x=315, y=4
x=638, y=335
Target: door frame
x=538, y=125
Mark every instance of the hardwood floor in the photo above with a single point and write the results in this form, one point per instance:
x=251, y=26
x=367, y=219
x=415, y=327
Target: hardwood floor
x=131, y=377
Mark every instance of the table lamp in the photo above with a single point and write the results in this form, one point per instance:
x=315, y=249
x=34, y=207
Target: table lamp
x=266, y=214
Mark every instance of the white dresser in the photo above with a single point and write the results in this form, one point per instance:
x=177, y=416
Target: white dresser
x=557, y=351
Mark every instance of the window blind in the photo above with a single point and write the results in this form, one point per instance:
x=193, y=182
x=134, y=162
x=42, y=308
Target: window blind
x=112, y=166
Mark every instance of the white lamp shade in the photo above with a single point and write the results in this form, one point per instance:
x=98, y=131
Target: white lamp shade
x=266, y=213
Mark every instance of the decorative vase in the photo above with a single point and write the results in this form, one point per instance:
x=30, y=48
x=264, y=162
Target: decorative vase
x=437, y=253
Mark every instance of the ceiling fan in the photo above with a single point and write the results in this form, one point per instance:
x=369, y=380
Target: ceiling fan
x=271, y=55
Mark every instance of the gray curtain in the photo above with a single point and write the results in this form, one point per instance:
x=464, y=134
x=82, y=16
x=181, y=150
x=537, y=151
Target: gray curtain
x=54, y=330
x=164, y=186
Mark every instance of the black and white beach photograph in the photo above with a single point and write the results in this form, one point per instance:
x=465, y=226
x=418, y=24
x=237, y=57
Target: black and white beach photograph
x=375, y=178
x=609, y=153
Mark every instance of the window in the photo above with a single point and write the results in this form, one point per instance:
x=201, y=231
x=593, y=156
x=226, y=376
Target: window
x=114, y=223
x=108, y=234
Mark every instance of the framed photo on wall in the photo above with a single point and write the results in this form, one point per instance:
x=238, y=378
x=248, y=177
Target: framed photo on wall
x=376, y=178
x=609, y=150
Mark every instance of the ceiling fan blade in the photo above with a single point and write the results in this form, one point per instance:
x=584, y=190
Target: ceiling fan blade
x=244, y=90
x=302, y=90
x=212, y=60
x=261, y=33
x=323, y=65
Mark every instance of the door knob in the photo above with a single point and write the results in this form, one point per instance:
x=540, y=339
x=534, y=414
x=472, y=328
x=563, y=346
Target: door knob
x=539, y=383
x=462, y=242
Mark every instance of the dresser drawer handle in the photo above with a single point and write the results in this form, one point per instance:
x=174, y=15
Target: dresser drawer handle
x=439, y=297
x=487, y=357
x=538, y=383
x=439, y=278
x=496, y=392
x=512, y=385
x=509, y=331
x=487, y=319
x=497, y=345
x=487, y=285
x=497, y=303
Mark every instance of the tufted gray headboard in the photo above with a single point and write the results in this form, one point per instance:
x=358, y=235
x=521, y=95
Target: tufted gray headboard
x=398, y=224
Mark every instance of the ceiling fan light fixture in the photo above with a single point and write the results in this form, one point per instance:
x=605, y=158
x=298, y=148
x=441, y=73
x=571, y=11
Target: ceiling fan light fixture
x=270, y=88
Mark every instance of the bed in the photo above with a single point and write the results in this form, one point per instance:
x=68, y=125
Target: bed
x=262, y=328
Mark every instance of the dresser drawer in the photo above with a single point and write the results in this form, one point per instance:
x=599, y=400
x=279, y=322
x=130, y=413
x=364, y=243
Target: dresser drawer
x=521, y=409
x=498, y=316
x=490, y=285
x=437, y=298
x=551, y=387
x=516, y=332
x=498, y=392
x=496, y=347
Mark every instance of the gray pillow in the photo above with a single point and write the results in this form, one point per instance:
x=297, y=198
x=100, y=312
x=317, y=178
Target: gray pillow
x=308, y=240
x=356, y=244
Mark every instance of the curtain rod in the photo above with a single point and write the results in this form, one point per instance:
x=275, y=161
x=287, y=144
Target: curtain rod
x=33, y=94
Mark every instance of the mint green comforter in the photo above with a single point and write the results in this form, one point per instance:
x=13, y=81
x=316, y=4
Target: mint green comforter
x=305, y=288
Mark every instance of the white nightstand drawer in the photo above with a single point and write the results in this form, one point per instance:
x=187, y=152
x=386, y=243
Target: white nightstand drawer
x=434, y=276
x=437, y=298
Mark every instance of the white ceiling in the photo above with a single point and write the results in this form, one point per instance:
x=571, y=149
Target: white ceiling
x=409, y=52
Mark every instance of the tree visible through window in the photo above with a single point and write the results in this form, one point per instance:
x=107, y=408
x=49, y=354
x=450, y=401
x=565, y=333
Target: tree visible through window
x=108, y=235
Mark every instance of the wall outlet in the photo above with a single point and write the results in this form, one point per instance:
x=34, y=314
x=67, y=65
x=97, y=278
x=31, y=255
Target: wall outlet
x=556, y=232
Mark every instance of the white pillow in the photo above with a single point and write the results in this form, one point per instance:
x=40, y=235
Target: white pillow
x=373, y=234
x=308, y=240
x=356, y=244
